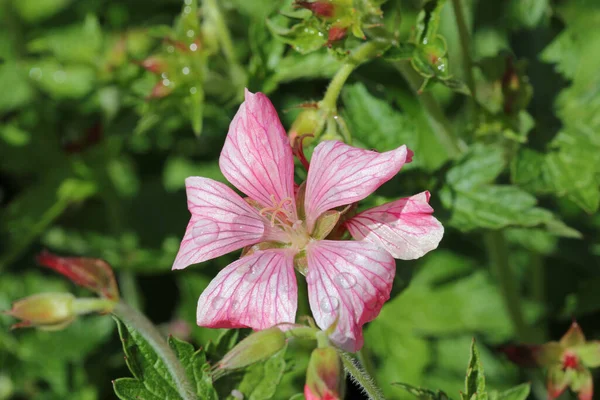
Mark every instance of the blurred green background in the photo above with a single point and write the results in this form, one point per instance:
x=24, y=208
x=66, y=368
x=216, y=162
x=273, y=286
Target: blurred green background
x=107, y=106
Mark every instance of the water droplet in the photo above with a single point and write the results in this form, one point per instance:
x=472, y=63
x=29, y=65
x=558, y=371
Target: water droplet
x=190, y=33
x=188, y=2
x=185, y=70
x=252, y=274
x=235, y=304
x=187, y=9
x=329, y=304
x=193, y=90
x=170, y=49
x=205, y=231
x=166, y=82
x=35, y=73
x=193, y=47
x=217, y=302
x=237, y=394
x=163, y=75
x=60, y=76
x=345, y=280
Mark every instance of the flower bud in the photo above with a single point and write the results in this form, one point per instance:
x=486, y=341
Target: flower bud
x=92, y=273
x=306, y=123
x=321, y=8
x=325, y=378
x=49, y=311
x=154, y=64
x=255, y=348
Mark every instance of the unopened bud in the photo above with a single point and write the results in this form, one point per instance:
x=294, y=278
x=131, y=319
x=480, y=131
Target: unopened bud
x=325, y=375
x=307, y=123
x=156, y=65
x=92, y=273
x=336, y=33
x=255, y=348
x=321, y=8
x=49, y=311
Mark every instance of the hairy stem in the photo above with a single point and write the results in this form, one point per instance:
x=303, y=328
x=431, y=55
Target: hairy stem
x=438, y=121
x=361, y=377
x=144, y=327
x=360, y=55
x=465, y=44
x=497, y=249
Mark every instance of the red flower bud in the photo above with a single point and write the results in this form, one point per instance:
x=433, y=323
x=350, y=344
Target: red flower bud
x=336, y=33
x=325, y=379
x=321, y=8
x=160, y=90
x=49, y=311
x=92, y=273
x=156, y=65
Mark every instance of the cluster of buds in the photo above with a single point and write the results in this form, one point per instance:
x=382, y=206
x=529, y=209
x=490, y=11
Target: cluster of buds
x=340, y=16
x=325, y=378
x=54, y=311
x=567, y=362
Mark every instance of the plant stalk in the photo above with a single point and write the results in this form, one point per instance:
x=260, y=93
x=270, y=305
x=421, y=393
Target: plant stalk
x=497, y=250
x=465, y=44
x=361, y=377
x=438, y=121
x=142, y=324
x=360, y=55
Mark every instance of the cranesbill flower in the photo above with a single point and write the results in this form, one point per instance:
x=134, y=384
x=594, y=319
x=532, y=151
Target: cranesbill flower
x=285, y=227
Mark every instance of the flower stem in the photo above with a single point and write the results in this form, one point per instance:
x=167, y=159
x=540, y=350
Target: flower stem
x=144, y=327
x=361, y=377
x=360, y=55
x=463, y=33
x=438, y=121
x=497, y=249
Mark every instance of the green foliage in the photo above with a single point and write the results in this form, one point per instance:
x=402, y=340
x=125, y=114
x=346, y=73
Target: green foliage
x=152, y=378
x=107, y=108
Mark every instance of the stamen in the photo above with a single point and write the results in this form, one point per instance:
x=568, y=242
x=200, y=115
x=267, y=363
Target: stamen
x=276, y=209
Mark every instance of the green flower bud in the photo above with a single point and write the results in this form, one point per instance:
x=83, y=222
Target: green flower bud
x=325, y=375
x=255, y=348
x=49, y=311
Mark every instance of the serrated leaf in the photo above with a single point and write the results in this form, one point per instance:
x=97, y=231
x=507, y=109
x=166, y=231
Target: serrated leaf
x=260, y=380
x=481, y=165
x=196, y=367
x=146, y=366
x=475, y=380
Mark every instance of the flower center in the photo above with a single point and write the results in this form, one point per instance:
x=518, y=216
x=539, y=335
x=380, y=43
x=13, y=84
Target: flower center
x=281, y=216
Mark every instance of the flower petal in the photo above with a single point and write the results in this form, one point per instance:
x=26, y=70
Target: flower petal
x=340, y=174
x=348, y=281
x=257, y=156
x=403, y=227
x=221, y=222
x=257, y=291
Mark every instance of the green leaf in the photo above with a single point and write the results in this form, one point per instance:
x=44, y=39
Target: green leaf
x=421, y=393
x=196, y=367
x=76, y=44
x=260, y=380
x=404, y=51
x=63, y=81
x=311, y=66
x=305, y=37
x=35, y=11
x=481, y=165
x=20, y=93
x=520, y=392
x=152, y=378
x=528, y=13
x=475, y=380
x=178, y=168
x=375, y=124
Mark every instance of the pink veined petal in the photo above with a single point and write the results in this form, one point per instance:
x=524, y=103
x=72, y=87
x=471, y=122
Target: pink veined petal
x=257, y=291
x=340, y=174
x=257, y=156
x=404, y=227
x=221, y=222
x=348, y=281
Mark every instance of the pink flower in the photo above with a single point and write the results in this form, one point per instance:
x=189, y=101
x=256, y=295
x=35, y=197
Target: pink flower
x=285, y=227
